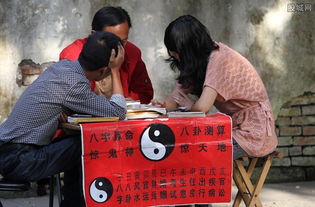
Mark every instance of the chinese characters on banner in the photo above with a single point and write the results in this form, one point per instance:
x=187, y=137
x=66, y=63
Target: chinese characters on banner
x=157, y=162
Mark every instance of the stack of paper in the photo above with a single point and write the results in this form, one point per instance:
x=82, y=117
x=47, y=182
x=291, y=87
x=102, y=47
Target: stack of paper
x=72, y=119
x=144, y=111
x=185, y=114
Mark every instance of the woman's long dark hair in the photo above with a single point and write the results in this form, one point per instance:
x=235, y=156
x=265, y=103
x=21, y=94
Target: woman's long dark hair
x=190, y=39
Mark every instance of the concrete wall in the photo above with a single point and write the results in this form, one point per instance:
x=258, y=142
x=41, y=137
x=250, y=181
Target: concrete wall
x=279, y=43
x=37, y=30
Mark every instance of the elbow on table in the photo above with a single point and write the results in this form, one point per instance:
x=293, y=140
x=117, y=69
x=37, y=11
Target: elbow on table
x=122, y=116
x=121, y=113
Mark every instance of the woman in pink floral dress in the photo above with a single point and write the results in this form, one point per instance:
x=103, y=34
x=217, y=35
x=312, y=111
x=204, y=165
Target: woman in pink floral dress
x=222, y=77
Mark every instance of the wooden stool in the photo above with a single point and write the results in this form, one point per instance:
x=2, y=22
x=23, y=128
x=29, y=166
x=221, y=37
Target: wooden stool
x=247, y=191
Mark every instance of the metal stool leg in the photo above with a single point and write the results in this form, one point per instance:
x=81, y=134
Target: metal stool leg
x=54, y=179
x=51, y=191
x=60, y=198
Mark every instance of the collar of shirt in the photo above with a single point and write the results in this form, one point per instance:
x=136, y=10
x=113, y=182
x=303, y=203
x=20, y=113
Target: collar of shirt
x=77, y=67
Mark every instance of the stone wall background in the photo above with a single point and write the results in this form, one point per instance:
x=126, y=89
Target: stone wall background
x=36, y=30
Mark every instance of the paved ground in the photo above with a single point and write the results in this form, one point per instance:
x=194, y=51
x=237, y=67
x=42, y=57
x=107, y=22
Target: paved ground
x=301, y=194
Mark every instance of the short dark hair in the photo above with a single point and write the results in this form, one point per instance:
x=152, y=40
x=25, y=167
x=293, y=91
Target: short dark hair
x=97, y=50
x=110, y=16
x=188, y=37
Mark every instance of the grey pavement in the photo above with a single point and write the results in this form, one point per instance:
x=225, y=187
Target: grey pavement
x=299, y=194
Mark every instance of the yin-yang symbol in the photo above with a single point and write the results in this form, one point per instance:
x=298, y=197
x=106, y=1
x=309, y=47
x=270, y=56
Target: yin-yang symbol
x=101, y=189
x=157, y=142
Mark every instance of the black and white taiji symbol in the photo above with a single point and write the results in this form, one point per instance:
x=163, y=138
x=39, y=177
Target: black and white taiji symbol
x=157, y=142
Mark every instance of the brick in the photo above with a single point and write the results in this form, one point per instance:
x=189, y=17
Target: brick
x=29, y=79
x=284, y=150
x=303, y=120
x=292, y=111
x=309, y=150
x=290, y=131
x=283, y=121
x=304, y=140
x=309, y=130
x=29, y=70
x=308, y=110
x=277, y=131
x=285, y=141
x=282, y=174
x=310, y=173
x=284, y=162
x=295, y=151
x=303, y=161
x=305, y=99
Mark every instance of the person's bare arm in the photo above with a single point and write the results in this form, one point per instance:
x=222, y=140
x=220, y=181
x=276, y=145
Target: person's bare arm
x=168, y=103
x=172, y=101
x=203, y=104
x=206, y=100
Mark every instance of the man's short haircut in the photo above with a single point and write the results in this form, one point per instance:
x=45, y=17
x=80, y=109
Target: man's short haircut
x=110, y=16
x=97, y=50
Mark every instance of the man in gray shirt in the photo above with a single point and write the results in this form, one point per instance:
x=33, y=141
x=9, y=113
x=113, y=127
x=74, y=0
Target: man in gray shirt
x=27, y=151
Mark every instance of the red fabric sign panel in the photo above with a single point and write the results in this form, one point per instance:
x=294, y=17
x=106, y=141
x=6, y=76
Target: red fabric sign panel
x=157, y=162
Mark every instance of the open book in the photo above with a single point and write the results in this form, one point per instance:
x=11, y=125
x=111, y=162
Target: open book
x=144, y=111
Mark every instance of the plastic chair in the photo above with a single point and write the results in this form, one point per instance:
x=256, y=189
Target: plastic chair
x=7, y=185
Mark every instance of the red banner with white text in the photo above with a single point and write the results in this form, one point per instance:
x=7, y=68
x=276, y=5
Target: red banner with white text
x=157, y=162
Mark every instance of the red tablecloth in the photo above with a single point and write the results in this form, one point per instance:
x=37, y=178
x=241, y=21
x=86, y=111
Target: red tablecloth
x=157, y=162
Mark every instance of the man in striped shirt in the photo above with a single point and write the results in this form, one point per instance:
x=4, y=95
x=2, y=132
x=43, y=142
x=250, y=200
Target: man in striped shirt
x=27, y=151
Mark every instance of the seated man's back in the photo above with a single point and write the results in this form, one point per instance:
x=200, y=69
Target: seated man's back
x=62, y=86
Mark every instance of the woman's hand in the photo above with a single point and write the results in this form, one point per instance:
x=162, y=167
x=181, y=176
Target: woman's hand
x=158, y=103
x=183, y=100
x=115, y=62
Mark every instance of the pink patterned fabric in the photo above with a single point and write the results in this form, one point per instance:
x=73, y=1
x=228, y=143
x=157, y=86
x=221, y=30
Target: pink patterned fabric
x=242, y=95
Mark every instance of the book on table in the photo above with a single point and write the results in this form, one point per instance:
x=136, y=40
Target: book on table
x=144, y=111
x=177, y=114
x=84, y=118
